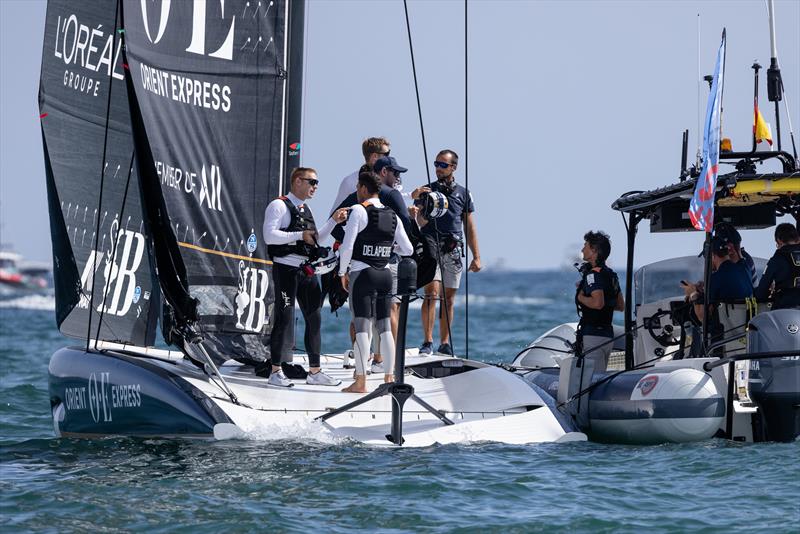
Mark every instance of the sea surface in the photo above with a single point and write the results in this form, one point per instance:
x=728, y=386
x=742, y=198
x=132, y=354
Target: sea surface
x=302, y=480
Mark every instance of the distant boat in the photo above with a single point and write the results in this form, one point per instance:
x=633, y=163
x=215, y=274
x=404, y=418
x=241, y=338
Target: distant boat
x=20, y=278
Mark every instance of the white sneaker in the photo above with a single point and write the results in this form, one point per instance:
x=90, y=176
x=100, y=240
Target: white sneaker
x=279, y=379
x=376, y=368
x=321, y=379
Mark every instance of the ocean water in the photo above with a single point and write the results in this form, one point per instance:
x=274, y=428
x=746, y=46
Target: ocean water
x=302, y=480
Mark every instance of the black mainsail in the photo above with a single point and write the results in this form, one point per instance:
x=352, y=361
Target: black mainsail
x=209, y=90
x=101, y=269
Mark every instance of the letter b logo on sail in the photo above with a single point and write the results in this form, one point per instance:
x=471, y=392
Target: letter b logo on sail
x=251, y=303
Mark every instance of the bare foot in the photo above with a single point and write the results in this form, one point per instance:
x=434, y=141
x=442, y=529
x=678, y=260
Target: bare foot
x=358, y=386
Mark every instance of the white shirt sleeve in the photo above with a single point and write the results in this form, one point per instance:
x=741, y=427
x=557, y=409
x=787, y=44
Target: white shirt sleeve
x=325, y=230
x=355, y=223
x=347, y=186
x=274, y=217
x=403, y=247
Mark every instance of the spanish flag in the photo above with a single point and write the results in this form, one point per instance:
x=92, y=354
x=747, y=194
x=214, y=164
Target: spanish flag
x=761, y=129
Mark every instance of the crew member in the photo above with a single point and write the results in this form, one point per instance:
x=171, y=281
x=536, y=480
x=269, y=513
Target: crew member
x=447, y=232
x=728, y=282
x=597, y=298
x=782, y=275
x=389, y=171
x=292, y=236
x=372, y=148
x=736, y=253
x=370, y=235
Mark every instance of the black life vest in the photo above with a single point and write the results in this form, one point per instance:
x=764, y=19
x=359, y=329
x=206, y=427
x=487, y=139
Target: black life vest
x=301, y=220
x=373, y=244
x=789, y=288
x=604, y=316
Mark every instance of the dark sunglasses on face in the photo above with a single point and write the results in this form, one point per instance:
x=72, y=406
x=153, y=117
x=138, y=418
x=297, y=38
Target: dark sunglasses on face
x=313, y=182
x=441, y=164
x=383, y=153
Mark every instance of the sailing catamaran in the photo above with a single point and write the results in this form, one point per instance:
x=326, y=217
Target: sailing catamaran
x=167, y=128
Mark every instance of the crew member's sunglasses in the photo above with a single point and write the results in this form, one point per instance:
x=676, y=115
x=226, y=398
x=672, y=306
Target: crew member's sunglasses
x=441, y=164
x=383, y=153
x=313, y=182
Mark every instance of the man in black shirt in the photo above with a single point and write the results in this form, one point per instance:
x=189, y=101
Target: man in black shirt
x=782, y=274
x=447, y=231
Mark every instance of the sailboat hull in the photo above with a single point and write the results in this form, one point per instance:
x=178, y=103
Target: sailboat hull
x=127, y=393
x=101, y=394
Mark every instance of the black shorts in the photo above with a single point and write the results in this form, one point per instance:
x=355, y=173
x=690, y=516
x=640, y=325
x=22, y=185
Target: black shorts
x=371, y=293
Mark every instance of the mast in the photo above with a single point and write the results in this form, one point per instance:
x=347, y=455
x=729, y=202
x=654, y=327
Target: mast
x=294, y=90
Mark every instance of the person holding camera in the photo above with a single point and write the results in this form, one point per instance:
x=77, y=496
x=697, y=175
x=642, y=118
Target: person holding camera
x=292, y=242
x=597, y=297
x=446, y=232
x=370, y=236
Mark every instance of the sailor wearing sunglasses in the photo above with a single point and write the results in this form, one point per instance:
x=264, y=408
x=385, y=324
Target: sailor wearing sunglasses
x=447, y=231
x=292, y=236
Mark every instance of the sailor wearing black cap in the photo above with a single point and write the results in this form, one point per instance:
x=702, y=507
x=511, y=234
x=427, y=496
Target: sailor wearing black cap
x=292, y=236
x=782, y=275
x=737, y=254
x=728, y=282
x=370, y=236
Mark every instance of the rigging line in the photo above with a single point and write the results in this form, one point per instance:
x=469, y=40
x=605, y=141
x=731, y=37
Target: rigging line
x=467, y=227
x=114, y=246
x=303, y=99
x=443, y=306
x=102, y=179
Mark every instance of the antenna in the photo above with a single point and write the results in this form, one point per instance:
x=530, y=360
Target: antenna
x=698, y=158
x=774, y=82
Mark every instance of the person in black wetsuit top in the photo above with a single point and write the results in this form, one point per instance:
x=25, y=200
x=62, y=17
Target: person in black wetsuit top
x=782, y=275
x=291, y=236
x=597, y=297
x=370, y=236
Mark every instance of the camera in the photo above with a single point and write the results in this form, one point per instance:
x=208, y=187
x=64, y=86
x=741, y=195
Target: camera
x=434, y=204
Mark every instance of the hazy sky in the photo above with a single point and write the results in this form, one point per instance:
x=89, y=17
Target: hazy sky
x=570, y=105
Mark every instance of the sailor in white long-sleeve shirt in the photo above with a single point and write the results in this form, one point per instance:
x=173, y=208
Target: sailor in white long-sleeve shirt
x=292, y=236
x=372, y=148
x=371, y=234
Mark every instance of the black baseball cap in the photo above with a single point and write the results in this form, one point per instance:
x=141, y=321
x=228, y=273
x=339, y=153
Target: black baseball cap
x=727, y=230
x=387, y=161
x=719, y=243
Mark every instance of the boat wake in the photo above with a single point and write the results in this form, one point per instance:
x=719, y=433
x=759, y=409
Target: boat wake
x=31, y=302
x=301, y=431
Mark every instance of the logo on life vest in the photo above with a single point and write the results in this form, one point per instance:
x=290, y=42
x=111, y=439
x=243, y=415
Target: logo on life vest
x=377, y=251
x=647, y=384
x=792, y=328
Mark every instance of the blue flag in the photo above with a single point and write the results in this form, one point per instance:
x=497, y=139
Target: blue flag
x=701, y=208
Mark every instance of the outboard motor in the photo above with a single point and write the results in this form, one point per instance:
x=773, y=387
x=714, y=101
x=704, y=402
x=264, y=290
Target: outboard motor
x=775, y=382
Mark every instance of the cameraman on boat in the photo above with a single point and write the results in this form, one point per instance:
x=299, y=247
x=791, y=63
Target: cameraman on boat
x=292, y=239
x=597, y=297
x=447, y=231
x=782, y=275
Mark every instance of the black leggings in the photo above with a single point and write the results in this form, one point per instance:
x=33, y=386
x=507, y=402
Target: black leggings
x=292, y=284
